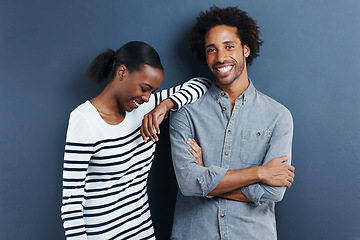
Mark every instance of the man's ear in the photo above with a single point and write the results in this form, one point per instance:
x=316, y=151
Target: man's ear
x=246, y=50
x=121, y=71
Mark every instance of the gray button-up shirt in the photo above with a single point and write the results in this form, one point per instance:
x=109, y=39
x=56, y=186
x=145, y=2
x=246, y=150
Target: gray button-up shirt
x=258, y=130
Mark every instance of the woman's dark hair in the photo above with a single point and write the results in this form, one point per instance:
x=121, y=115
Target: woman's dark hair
x=134, y=55
x=248, y=31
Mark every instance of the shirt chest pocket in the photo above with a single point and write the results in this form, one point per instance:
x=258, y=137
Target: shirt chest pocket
x=254, y=145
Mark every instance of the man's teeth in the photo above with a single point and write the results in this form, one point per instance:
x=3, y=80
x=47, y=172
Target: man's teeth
x=137, y=104
x=224, y=69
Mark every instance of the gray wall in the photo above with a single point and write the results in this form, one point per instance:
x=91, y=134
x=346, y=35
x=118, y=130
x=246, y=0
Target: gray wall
x=309, y=62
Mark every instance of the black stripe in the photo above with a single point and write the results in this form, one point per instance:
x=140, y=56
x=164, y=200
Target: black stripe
x=120, y=155
x=73, y=180
x=156, y=99
x=187, y=99
x=148, y=237
x=72, y=218
x=78, y=151
x=117, y=192
x=75, y=234
x=206, y=83
x=197, y=87
x=74, y=227
x=197, y=91
x=119, y=224
x=75, y=169
x=118, y=207
x=120, y=184
x=174, y=96
x=71, y=212
x=119, y=145
x=79, y=144
x=73, y=187
x=191, y=97
x=117, y=139
x=133, y=228
x=110, y=173
x=120, y=172
x=118, y=218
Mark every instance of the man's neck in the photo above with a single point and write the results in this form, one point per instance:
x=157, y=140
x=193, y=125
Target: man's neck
x=235, y=89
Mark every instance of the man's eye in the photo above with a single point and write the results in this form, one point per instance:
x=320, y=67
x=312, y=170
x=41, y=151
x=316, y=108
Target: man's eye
x=211, y=50
x=229, y=47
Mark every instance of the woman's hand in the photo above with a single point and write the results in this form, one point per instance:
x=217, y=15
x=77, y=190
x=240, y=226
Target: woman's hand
x=151, y=121
x=195, y=151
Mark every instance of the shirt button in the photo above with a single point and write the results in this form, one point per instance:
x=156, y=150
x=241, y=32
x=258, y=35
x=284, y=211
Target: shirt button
x=217, y=98
x=224, y=109
x=229, y=131
x=258, y=134
x=222, y=94
x=222, y=215
x=226, y=153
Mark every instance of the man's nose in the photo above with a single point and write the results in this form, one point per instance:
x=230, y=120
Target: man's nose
x=220, y=56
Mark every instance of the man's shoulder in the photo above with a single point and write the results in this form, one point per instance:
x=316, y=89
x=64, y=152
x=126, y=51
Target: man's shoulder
x=191, y=110
x=269, y=102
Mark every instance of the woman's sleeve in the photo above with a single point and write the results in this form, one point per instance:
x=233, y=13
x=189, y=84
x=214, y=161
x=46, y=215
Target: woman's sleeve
x=185, y=93
x=78, y=151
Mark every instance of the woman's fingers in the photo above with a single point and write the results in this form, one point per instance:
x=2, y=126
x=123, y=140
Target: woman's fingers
x=148, y=129
x=195, y=150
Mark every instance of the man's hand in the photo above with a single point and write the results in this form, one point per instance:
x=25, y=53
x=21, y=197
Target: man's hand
x=195, y=150
x=277, y=173
x=151, y=121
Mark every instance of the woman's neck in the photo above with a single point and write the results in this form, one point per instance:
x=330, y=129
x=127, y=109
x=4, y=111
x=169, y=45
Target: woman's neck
x=108, y=106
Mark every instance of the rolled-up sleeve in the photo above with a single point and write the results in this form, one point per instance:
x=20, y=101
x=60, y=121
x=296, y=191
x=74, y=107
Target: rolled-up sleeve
x=280, y=144
x=193, y=179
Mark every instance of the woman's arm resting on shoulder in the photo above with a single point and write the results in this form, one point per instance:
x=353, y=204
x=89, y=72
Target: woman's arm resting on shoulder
x=174, y=98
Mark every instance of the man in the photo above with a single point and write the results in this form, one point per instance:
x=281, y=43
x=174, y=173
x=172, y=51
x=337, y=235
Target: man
x=245, y=138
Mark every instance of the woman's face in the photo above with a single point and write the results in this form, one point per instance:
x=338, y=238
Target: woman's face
x=136, y=87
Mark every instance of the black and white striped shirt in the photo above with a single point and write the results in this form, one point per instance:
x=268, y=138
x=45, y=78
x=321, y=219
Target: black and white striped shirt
x=106, y=169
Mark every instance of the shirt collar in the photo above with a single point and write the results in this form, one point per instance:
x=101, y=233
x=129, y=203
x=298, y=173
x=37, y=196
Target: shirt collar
x=247, y=95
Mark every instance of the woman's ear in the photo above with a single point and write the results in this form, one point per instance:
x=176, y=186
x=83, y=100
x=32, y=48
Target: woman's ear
x=121, y=71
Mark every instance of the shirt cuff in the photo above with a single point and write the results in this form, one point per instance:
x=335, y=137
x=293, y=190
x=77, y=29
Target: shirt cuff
x=210, y=179
x=253, y=192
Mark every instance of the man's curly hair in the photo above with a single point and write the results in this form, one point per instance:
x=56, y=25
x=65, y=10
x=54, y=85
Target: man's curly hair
x=248, y=31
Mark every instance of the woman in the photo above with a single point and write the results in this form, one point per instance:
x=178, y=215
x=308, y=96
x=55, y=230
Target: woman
x=107, y=159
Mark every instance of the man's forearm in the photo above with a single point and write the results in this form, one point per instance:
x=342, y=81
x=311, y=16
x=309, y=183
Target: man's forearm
x=274, y=173
x=236, y=195
x=235, y=179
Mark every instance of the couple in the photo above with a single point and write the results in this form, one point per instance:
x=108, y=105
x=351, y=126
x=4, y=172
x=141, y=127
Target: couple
x=228, y=186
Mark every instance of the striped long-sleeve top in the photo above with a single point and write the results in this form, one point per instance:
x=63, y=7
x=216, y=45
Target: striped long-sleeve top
x=106, y=169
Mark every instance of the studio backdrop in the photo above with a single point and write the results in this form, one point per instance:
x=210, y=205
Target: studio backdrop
x=309, y=62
